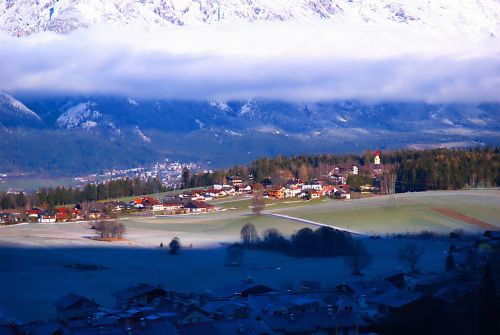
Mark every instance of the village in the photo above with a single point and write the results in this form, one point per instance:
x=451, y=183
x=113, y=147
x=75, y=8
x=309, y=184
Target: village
x=384, y=302
x=333, y=185
x=361, y=306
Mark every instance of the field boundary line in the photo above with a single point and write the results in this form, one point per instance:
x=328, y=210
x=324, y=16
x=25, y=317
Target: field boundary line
x=292, y=218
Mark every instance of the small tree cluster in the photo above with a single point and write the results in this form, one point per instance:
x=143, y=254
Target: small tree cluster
x=249, y=235
x=109, y=229
x=174, y=246
x=258, y=204
x=322, y=242
x=358, y=259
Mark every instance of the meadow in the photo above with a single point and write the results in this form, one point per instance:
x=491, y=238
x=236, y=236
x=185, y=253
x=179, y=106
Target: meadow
x=37, y=259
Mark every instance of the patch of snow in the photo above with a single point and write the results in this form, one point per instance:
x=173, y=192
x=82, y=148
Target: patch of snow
x=143, y=137
x=221, y=105
x=232, y=133
x=248, y=109
x=132, y=102
x=88, y=125
x=341, y=118
x=448, y=122
x=200, y=124
x=78, y=116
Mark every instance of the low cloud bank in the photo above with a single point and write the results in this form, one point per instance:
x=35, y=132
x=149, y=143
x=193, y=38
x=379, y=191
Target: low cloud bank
x=284, y=61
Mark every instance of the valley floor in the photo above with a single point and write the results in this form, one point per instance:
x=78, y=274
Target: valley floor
x=36, y=259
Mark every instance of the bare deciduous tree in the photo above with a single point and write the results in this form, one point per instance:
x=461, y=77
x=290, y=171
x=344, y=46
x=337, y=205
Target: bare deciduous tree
x=234, y=255
x=359, y=259
x=410, y=255
x=109, y=229
x=249, y=234
x=258, y=203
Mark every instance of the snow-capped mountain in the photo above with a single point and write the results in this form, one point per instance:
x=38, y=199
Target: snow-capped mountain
x=24, y=17
x=15, y=113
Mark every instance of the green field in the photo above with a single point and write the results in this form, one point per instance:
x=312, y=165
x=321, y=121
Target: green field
x=29, y=250
x=412, y=212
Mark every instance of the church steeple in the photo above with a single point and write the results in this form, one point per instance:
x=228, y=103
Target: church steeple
x=377, y=157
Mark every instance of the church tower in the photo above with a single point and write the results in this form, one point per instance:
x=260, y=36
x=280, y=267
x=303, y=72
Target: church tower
x=377, y=157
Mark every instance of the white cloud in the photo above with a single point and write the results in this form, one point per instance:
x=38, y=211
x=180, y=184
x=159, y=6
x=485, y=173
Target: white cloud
x=289, y=61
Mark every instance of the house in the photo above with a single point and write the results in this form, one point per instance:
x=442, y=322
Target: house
x=33, y=213
x=240, y=289
x=234, y=181
x=73, y=306
x=63, y=214
x=395, y=300
x=313, y=194
x=365, y=293
x=294, y=182
x=47, y=217
x=158, y=208
x=95, y=214
x=277, y=192
x=397, y=279
x=194, y=314
x=77, y=214
x=172, y=206
x=115, y=206
x=292, y=191
x=199, y=207
x=146, y=201
x=9, y=217
x=138, y=295
x=314, y=186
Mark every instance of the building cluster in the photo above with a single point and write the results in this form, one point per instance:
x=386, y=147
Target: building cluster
x=169, y=173
x=248, y=307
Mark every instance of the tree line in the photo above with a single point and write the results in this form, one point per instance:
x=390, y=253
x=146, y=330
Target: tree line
x=113, y=189
x=409, y=170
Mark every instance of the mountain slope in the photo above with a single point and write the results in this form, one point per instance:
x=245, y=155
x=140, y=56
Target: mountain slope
x=79, y=133
x=14, y=113
x=24, y=17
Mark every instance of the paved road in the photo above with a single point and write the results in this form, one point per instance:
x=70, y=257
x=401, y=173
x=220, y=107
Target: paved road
x=292, y=218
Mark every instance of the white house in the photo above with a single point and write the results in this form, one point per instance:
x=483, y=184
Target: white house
x=316, y=187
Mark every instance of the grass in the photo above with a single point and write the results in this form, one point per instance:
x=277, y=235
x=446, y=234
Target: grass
x=26, y=251
x=412, y=212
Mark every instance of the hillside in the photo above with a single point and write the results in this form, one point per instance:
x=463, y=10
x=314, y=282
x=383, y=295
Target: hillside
x=139, y=132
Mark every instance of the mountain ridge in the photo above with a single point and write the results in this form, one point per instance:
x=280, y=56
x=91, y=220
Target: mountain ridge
x=223, y=133
x=25, y=17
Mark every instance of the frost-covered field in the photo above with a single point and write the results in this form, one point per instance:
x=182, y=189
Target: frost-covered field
x=33, y=257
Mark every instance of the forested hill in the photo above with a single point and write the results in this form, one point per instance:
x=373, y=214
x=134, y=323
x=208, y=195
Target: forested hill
x=412, y=170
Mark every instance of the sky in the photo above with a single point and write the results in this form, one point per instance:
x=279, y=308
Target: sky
x=320, y=61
